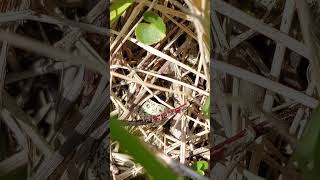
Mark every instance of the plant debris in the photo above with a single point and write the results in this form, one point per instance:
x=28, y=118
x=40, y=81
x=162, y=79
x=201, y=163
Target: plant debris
x=265, y=76
x=54, y=105
x=166, y=82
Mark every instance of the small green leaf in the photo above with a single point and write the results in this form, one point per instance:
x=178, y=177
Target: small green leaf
x=206, y=107
x=201, y=165
x=152, y=30
x=117, y=8
x=205, y=164
x=308, y=149
x=200, y=172
x=153, y=18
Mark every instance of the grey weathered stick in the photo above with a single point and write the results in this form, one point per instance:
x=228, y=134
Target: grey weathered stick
x=73, y=141
x=218, y=34
x=13, y=162
x=3, y=65
x=12, y=77
x=264, y=82
x=309, y=39
x=278, y=124
x=31, y=15
x=24, y=121
x=14, y=127
x=46, y=50
x=280, y=50
x=253, y=23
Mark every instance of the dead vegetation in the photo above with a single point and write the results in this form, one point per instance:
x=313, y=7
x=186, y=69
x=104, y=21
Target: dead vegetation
x=265, y=76
x=153, y=79
x=53, y=89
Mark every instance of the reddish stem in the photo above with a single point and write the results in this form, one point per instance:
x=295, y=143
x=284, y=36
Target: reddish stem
x=218, y=151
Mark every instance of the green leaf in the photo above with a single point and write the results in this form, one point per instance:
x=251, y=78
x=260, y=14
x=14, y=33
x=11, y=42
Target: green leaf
x=206, y=107
x=152, y=30
x=139, y=152
x=154, y=19
x=117, y=8
x=201, y=165
x=308, y=148
x=200, y=172
x=205, y=164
